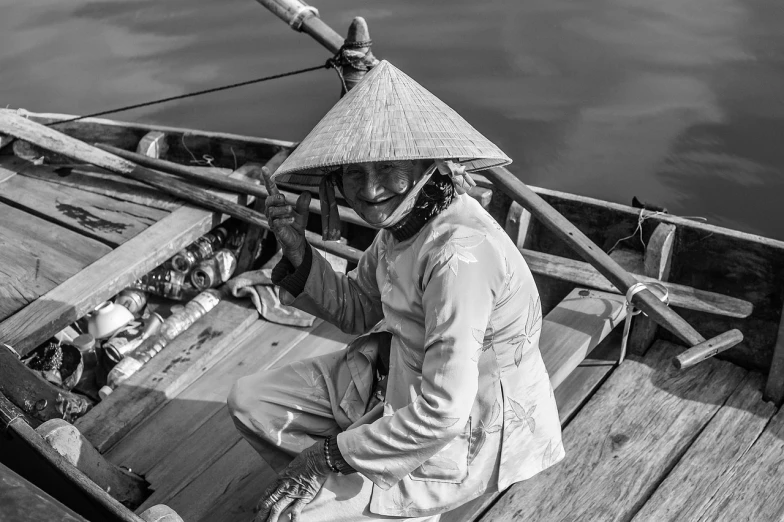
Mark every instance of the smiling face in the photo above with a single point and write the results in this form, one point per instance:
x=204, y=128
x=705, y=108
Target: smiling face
x=375, y=189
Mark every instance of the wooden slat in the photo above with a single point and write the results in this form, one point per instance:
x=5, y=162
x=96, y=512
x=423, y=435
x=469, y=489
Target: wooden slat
x=221, y=480
x=573, y=328
x=106, y=277
x=98, y=181
x=630, y=260
x=624, y=441
x=657, y=263
x=22, y=501
x=106, y=219
x=184, y=145
x=36, y=256
x=174, y=472
x=188, y=356
x=182, y=415
x=518, y=225
x=752, y=488
x=774, y=387
x=584, y=274
x=704, y=469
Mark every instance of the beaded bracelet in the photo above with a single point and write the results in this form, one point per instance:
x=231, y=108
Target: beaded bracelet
x=332, y=466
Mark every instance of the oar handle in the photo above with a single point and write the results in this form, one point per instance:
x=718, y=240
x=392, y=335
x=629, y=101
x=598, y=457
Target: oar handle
x=707, y=349
x=587, y=249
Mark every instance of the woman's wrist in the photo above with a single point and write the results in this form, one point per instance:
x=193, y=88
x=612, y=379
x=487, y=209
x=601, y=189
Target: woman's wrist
x=335, y=459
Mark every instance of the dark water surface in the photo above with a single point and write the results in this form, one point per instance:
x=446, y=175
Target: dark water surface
x=679, y=102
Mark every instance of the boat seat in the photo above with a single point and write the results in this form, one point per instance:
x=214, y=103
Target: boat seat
x=575, y=327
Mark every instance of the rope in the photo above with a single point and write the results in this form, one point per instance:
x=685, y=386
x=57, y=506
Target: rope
x=631, y=310
x=199, y=93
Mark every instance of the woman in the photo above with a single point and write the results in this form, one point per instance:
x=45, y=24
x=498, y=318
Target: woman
x=444, y=396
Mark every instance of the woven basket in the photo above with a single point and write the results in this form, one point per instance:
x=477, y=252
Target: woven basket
x=387, y=116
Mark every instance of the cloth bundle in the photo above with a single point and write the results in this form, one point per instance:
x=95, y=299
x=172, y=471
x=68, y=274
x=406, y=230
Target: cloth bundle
x=258, y=286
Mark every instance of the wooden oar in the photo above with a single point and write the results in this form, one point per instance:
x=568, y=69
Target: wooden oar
x=51, y=140
x=236, y=186
x=302, y=18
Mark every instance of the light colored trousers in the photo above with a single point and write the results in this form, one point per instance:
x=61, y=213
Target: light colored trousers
x=282, y=411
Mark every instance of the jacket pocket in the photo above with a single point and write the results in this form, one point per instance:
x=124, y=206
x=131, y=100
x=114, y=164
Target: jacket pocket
x=448, y=465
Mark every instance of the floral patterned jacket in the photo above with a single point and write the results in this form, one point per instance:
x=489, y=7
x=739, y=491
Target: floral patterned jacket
x=469, y=407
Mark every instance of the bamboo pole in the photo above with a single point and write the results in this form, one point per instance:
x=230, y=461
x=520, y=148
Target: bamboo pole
x=236, y=186
x=54, y=141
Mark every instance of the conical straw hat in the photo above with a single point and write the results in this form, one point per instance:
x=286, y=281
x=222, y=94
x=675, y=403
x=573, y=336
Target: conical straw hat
x=387, y=116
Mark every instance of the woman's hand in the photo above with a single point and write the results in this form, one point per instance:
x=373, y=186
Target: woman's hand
x=296, y=486
x=287, y=222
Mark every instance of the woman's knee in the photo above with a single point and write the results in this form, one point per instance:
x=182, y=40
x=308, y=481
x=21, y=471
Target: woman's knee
x=245, y=396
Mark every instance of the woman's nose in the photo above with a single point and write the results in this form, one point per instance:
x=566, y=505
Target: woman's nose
x=372, y=188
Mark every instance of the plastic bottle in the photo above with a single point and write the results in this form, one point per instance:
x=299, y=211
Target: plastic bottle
x=133, y=299
x=200, y=249
x=173, y=326
x=165, y=282
x=215, y=270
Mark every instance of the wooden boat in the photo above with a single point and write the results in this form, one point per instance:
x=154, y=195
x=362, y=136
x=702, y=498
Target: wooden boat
x=645, y=440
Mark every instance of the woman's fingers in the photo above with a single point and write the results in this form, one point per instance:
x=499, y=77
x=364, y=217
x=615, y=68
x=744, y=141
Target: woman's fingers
x=272, y=187
x=303, y=209
x=296, y=510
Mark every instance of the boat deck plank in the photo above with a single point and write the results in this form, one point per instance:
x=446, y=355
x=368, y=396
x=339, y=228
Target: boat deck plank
x=752, y=488
x=182, y=415
x=36, y=256
x=109, y=220
x=624, y=441
x=176, y=470
x=704, y=469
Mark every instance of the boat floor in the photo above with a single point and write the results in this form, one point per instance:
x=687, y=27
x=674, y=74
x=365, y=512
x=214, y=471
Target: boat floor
x=643, y=441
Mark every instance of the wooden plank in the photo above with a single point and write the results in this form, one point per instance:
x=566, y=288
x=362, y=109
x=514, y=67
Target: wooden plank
x=518, y=225
x=22, y=501
x=93, y=179
x=705, y=467
x=574, y=328
x=106, y=277
x=657, y=264
x=624, y=441
x=752, y=488
x=39, y=451
x=177, y=366
x=237, y=503
x=630, y=260
x=175, y=471
x=681, y=296
x=36, y=256
x=774, y=387
x=105, y=219
x=184, y=145
x=153, y=144
x=220, y=481
x=182, y=415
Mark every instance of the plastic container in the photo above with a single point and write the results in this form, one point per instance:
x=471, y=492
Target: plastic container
x=214, y=271
x=165, y=282
x=171, y=328
x=202, y=248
